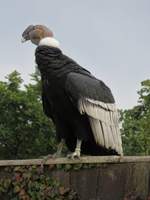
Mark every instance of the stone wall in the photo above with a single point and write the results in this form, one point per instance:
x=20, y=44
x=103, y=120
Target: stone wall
x=96, y=178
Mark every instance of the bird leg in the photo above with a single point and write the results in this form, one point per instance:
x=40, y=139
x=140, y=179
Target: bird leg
x=77, y=152
x=55, y=155
x=58, y=152
x=59, y=149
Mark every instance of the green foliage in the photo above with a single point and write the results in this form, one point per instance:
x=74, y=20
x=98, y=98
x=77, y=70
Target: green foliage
x=14, y=80
x=29, y=183
x=76, y=167
x=136, y=124
x=25, y=131
x=34, y=182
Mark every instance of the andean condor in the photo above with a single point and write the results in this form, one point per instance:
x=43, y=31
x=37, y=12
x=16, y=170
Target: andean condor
x=81, y=106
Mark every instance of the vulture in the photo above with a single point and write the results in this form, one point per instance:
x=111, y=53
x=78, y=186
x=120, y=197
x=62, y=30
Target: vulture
x=81, y=106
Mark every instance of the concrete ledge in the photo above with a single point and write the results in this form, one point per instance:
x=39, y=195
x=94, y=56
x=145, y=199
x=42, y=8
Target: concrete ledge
x=87, y=159
x=107, y=178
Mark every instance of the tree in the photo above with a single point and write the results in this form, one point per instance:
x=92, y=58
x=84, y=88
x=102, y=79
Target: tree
x=25, y=131
x=136, y=124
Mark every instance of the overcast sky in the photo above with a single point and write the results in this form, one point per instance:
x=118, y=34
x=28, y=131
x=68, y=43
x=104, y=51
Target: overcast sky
x=111, y=38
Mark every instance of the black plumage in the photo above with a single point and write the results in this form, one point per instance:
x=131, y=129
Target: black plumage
x=64, y=85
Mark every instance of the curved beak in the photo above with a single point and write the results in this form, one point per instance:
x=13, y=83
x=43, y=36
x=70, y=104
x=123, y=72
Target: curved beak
x=23, y=40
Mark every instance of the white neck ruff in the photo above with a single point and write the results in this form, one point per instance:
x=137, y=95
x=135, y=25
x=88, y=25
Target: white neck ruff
x=49, y=41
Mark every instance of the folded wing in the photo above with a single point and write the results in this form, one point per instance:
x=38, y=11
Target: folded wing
x=93, y=98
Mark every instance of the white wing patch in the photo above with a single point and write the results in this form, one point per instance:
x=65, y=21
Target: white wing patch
x=104, y=121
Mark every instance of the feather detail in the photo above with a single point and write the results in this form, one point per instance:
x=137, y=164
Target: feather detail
x=99, y=110
x=104, y=121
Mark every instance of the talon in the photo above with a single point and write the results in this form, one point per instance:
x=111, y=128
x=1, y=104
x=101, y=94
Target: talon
x=45, y=158
x=56, y=155
x=74, y=155
x=48, y=157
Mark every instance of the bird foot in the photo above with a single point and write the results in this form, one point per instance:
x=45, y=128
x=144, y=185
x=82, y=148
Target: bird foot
x=50, y=156
x=74, y=155
x=45, y=158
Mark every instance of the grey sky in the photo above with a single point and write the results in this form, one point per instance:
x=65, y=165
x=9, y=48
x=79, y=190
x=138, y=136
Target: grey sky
x=111, y=38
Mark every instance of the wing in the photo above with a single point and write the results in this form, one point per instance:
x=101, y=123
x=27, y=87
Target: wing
x=93, y=98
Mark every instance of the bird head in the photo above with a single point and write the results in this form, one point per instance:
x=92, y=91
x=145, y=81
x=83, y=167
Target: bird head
x=35, y=33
